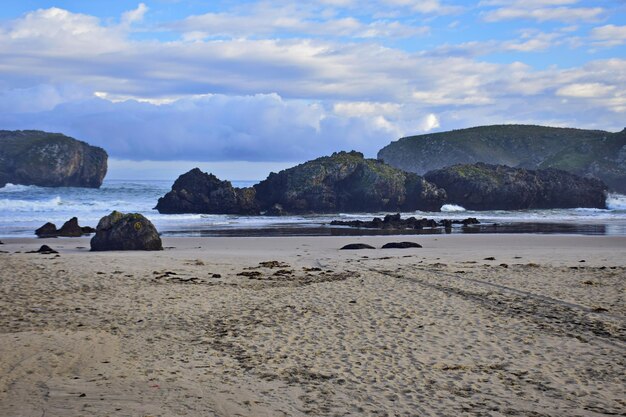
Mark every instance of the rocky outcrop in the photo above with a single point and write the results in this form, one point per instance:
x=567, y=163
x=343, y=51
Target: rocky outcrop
x=119, y=231
x=588, y=153
x=199, y=192
x=346, y=182
x=497, y=187
x=396, y=222
x=69, y=229
x=31, y=157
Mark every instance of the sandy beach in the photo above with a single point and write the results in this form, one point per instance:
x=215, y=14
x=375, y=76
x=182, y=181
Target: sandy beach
x=496, y=325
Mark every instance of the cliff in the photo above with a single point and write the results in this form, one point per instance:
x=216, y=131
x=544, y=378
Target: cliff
x=498, y=187
x=588, y=153
x=32, y=157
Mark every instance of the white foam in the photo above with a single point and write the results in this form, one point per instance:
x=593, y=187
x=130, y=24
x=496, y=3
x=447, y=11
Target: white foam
x=28, y=205
x=452, y=208
x=16, y=188
x=616, y=202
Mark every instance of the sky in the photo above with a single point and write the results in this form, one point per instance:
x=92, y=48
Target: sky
x=244, y=87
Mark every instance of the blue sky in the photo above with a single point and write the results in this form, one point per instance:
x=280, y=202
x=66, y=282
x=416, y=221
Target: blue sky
x=243, y=87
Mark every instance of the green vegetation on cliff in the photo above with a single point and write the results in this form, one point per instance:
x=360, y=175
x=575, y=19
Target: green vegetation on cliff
x=32, y=157
x=589, y=153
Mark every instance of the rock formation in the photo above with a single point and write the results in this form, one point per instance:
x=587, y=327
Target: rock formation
x=198, y=192
x=588, y=153
x=119, y=231
x=395, y=222
x=69, y=229
x=346, y=182
x=31, y=157
x=343, y=182
x=497, y=187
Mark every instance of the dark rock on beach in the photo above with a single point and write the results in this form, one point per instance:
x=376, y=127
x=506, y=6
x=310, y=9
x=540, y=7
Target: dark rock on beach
x=401, y=245
x=31, y=157
x=395, y=222
x=345, y=182
x=357, y=246
x=498, y=187
x=199, y=192
x=44, y=250
x=69, y=229
x=119, y=231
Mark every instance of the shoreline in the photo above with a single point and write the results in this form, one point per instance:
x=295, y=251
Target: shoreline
x=469, y=324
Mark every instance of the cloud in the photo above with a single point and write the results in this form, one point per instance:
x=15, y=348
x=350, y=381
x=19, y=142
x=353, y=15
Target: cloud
x=609, y=35
x=291, y=20
x=136, y=15
x=585, y=90
x=540, y=11
x=214, y=127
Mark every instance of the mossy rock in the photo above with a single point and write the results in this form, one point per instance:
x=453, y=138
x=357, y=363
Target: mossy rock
x=119, y=231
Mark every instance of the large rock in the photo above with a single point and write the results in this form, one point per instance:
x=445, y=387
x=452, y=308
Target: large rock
x=119, y=231
x=346, y=182
x=199, y=192
x=32, y=157
x=497, y=187
x=588, y=153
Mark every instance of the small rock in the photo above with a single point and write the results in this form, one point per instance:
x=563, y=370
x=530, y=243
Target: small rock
x=490, y=258
x=44, y=250
x=356, y=246
x=216, y=276
x=401, y=245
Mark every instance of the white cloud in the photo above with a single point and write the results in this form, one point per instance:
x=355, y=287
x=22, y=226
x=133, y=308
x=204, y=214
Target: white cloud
x=609, y=35
x=585, y=90
x=135, y=15
x=561, y=14
x=274, y=21
x=425, y=6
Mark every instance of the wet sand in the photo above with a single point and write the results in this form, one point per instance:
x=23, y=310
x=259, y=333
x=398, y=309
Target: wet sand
x=294, y=326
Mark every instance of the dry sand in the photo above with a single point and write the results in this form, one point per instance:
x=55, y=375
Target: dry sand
x=414, y=332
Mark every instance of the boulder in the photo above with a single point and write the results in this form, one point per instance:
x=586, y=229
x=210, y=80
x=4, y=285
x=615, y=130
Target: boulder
x=483, y=186
x=199, y=192
x=47, y=230
x=346, y=182
x=32, y=157
x=119, y=231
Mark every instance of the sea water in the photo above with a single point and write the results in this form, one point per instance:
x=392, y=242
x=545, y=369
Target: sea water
x=25, y=208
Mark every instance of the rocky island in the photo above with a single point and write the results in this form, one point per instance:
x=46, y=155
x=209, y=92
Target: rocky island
x=588, y=153
x=32, y=157
x=498, y=187
x=342, y=182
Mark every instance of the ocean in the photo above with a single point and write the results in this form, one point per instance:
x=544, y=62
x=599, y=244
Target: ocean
x=25, y=208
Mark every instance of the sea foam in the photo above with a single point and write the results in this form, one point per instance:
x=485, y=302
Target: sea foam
x=616, y=202
x=452, y=208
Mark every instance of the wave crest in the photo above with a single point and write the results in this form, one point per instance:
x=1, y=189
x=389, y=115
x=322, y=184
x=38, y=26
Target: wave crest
x=452, y=208
x=616, y=202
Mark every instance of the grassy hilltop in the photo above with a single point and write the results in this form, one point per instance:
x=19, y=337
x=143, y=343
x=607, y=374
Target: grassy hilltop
x=591, y=153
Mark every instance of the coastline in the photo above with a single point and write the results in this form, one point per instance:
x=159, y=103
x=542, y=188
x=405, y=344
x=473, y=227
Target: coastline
x=434, y=330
